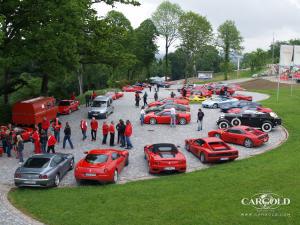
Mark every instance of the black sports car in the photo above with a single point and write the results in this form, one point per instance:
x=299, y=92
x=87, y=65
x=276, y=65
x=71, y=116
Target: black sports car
x=178, y=107
x=240, y=104
x=265, y=121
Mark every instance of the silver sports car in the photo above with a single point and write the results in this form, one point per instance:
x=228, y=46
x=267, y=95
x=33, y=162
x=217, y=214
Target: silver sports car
x=44, y=170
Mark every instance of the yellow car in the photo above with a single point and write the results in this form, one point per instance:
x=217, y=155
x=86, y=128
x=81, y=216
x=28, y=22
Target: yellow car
x=196, y=99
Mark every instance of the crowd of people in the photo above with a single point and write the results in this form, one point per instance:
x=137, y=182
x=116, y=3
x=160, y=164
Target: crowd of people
x=47, y=136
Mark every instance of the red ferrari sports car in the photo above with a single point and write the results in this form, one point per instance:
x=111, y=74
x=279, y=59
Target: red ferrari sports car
x=68, y=106
x=164, y=157
x=129, y=88
x=241, y=135
x=257, y=108
x=103, y=165
x=164, y=117
x=211, y=149
x=115, y=95
x=181, y=101
x=25, y=132
x=242, y=97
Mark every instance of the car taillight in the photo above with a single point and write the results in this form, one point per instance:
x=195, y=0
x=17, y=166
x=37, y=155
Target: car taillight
x=105, y=170
x=17, y=175
x=43, y=176
x=156, y=163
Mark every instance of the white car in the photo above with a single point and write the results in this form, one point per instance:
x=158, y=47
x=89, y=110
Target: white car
x=216, y=102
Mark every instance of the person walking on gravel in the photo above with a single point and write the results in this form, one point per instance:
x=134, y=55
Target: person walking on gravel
x=56, y=125
x=20, y=148
x=142, y=115
x=200, y=119
x=51, y=143
x=155, y=96
x=83, y=127
x=173, y=117
x=43, y=139
x=112, y=134
x=172, y=94
x=145, y=99
x=105, y=130
x=67, y=136
x=137, y=99
x=36, y=141
x=122, y=133
x=128, y=133
x=94, y=128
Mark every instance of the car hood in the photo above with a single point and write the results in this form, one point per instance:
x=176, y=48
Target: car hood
x=98, y=109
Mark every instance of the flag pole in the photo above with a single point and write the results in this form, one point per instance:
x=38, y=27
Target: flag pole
x=278, y=83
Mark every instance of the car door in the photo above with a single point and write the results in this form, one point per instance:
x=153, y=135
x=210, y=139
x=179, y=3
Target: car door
x=198, y=146
x=164, y=117
x=61, y=166
x=233, y=135
x=118, y=161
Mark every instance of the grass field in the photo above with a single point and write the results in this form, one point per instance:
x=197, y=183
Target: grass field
x=209, y=197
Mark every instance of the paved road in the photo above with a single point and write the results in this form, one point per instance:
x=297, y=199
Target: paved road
x=142, y=135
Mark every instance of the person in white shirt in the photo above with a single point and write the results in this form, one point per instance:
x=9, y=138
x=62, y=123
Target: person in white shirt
x=173, y=117
x=142, y=115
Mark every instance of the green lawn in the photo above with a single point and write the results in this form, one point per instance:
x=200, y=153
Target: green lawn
x=212, y=196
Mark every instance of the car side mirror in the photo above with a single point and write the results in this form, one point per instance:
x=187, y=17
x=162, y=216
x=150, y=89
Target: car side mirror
x=86, y=152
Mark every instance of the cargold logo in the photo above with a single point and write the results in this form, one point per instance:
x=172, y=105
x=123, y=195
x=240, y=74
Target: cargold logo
x=266, y=201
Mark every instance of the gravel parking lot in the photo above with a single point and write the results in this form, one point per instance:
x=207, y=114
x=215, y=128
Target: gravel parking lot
x=142, y=135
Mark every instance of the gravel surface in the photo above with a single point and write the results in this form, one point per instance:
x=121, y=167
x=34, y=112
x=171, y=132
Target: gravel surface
x=142, y=135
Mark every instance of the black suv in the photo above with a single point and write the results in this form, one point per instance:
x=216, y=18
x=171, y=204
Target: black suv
x=265, y=121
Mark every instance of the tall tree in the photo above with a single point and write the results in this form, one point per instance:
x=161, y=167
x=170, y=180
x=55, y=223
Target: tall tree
x=229, y=39
x=195, y=33
x=144, y=44
x=166, y=19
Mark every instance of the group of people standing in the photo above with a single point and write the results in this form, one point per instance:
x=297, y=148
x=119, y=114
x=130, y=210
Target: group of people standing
x=123, y=130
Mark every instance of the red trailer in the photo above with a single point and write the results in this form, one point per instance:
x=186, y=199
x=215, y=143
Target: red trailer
x=31, y=112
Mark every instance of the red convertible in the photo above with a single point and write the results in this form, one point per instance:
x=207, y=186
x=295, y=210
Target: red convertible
x=242, y=97
x=25, y=132
x=68, y=106
x=257, y=108
x=103, y=165
x=129, y=88
x=211, y=149
x=181, y=101
x=164, y=157
x=164, y=117
x=241, y=135
x=115, y=95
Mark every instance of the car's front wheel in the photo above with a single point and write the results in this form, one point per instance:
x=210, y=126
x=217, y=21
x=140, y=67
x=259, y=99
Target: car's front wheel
x=182, y=121
x=71, y=164
x=266, y=127
x=116, y=176
x=56, y=180
x=187, y=147
x=153, y=121
x=202, y=157
x=248, y=143
x=223, y=125
x=236, y=122
x=215, y=106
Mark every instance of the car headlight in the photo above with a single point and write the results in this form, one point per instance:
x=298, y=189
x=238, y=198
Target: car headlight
x=274, y=115
x=222, y=115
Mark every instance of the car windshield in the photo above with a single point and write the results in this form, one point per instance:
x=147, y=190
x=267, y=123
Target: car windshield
x=36, y=162
x=165, y=149
x=64, y=103
x=96, y=158
x=98, y=103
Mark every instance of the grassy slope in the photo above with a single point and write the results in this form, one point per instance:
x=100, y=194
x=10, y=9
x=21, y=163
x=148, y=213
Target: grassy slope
x=209, y=196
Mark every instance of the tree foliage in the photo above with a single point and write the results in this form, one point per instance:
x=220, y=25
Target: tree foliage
x=166, y=19
x=229, y=39
x=195, y=33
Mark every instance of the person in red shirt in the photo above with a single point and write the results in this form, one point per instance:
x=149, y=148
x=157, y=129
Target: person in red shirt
x=94, y=95
x=94, y=128
x=128, y=133
x=83, y=127
x=45, y=124
x=56, y=125
x=36, y=141
x=112, y=133
x=105, y=130
x=73, y=97
x=51, y=143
